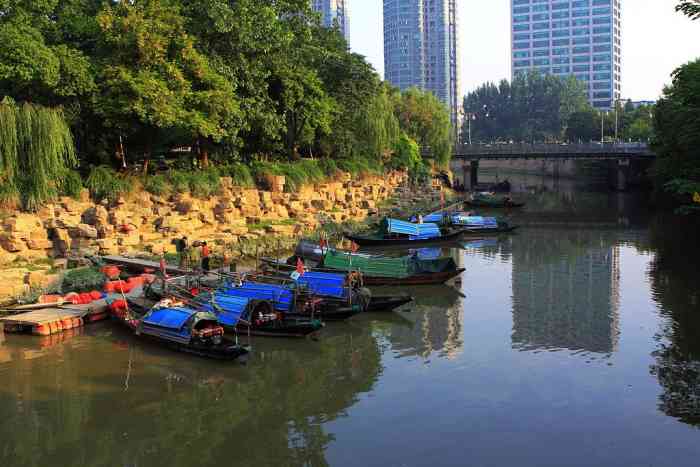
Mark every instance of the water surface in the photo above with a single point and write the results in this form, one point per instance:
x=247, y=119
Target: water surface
x=575, y=342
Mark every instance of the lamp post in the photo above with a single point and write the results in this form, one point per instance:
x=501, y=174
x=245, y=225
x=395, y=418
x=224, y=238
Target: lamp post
x=470, y=116
x=602, y=126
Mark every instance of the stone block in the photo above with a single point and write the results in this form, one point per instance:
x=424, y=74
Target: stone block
x=12, y=243
x=40, y=244
x=22, y=223
x=84, y=231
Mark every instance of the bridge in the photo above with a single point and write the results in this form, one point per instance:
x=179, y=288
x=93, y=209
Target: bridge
x=562, y=151
x=621, y=156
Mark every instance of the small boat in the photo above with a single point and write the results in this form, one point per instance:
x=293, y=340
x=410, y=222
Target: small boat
x=470, y=224
x=487, y=200
x=246, y=315
x=394, y=232
x=295, y=302
x=179, y=327
x=375, y=270
x=341, y=291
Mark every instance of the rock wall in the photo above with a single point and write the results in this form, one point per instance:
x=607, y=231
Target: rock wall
x=144, y=222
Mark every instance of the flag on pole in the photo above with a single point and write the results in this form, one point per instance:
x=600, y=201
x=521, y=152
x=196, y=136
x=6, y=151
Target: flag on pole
x=300, y=266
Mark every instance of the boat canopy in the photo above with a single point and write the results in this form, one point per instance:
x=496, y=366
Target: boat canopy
x=280, y=296
x=170, y=318
x=413, y=231
x=475, y=222
x=324, y=283
x=228, y=308
x=435, y=217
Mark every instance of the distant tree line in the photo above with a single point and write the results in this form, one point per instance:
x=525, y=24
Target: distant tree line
x=535, y=107
x=237, y=81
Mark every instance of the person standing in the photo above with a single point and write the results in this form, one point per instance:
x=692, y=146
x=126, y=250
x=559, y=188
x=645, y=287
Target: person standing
x=181, y=246
x=205, y=257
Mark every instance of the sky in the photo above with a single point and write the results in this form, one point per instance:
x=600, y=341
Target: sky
x=655, y=41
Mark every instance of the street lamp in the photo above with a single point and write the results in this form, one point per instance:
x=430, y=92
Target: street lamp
x=470, y=116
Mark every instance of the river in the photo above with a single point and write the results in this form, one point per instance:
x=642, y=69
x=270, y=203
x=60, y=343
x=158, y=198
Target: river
x=575, y=342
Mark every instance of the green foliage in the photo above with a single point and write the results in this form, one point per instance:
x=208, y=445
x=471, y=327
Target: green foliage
x=205, y=183
x=533, y=107
x=36, y=152
x=240, y=174
x=427, y=121
x=690, y=8
x=105, y=183
x=226, y=78
x=82, y=280
x=677, y=133
x=157, y=185
x=71, y=184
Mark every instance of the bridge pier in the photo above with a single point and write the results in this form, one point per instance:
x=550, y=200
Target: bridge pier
x=470, y=174
x=622, y=168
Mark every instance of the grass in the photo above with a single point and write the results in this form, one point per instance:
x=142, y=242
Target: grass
x=105, y=183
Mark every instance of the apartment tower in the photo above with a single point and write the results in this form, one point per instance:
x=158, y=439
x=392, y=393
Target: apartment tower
x=421, y=48
x=570, y=37
x=334, y=13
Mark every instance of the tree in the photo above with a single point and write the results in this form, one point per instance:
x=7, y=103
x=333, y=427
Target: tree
x=154, y=79
x=425, y=119
x=690, y=8
x=583, y=126
x=677, y=133
x=36, y=153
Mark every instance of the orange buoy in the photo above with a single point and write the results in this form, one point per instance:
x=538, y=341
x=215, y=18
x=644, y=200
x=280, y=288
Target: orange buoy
x=67, y=323
x=41, y=330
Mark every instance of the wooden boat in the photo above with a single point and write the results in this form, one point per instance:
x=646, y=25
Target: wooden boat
x=490, y=201
x=421, y=278
x=398, y=240
x=178, y=327
x=247, y=316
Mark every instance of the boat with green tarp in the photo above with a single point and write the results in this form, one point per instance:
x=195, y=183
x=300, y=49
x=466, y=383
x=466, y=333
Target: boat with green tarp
x=489, y=200
x=375, y=270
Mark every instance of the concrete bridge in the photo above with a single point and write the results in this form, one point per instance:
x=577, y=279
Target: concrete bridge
x=623, y=157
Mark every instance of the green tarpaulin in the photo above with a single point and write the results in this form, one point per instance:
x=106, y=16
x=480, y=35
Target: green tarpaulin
x=386, y=267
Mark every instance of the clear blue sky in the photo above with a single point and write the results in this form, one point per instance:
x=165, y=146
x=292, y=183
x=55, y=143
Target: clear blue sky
x=655, y=38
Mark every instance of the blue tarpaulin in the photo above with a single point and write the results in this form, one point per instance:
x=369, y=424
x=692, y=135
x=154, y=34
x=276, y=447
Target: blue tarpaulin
x=476, y=222
x=280, y=296
x=413, y=231
x=171, y=318
x=228, y=308
x=323, y=283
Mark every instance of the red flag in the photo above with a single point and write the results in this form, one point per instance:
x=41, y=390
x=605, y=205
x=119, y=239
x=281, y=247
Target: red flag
x=163, y=268
x=354, y=247
x=300, y=266
x=322, y=243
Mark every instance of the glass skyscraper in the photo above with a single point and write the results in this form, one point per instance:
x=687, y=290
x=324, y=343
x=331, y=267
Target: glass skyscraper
x=334, y=12
x=570, y=37
x=421, y=47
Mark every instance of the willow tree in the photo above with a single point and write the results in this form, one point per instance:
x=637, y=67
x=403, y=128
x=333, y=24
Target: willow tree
x=36, y=153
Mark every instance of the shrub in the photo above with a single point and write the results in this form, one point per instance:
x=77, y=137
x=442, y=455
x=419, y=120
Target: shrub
x=179, y=181
x=71, y=184
x=240, y=174
x=157, y=185
x=205, y=183
x=104, y=183
x=82, y=280
x=328, y=166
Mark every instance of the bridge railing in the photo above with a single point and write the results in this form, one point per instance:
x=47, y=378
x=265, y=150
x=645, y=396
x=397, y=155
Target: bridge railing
x=525, y=149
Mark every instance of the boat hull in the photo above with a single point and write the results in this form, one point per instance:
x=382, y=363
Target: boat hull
x=370, y=241
x=433, y=278
x=481, y=204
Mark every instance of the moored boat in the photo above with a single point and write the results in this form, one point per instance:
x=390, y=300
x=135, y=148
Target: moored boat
x=393, y=232
x=179, y=327
x=488, y=200
x=375, y=270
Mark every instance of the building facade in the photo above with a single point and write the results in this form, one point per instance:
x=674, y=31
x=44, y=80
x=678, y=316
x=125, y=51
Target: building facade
x=334, y=12
x=570, y=37
x=421, y=48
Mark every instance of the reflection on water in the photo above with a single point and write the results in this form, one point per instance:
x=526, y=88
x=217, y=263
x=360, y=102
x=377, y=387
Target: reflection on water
x=575, y=342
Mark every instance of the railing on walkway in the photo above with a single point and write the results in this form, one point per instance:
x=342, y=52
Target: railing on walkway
x=553, y=150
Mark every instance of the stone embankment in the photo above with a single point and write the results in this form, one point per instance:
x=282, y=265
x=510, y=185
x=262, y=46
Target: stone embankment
x=33, y=245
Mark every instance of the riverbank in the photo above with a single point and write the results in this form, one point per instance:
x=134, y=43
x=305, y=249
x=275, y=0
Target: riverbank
x=240, y=223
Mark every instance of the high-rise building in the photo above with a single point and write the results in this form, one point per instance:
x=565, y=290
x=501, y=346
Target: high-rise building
x=421, y=48
x=570, y=37
x=334, y=13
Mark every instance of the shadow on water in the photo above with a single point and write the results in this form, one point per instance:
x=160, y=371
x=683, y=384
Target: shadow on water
x=675, y=277
x=103, y=399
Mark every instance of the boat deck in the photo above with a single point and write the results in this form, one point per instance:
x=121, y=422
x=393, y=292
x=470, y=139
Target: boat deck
x=55, y=319
x=141, y=264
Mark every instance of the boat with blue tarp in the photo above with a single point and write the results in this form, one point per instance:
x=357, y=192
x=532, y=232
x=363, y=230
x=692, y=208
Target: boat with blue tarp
x=395, y=232
x=175, y=325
